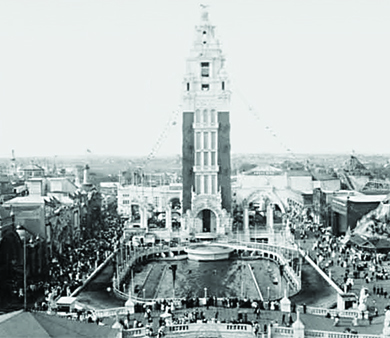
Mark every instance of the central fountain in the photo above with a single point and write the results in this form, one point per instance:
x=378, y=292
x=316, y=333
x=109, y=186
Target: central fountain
x=208, y=252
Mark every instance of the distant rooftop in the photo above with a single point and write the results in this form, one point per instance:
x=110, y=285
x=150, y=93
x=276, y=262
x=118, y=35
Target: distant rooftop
x=32, y=167
x=264, y=170
x=322, y=177
x=361, y=198
x=33, y=199
x=295, y=173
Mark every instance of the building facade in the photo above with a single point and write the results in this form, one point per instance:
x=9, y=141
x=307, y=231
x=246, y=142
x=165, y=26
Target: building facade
x=348, y=209
x=206, y=135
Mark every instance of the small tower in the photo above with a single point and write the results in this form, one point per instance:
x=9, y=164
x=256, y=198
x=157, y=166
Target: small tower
x=298, y=327
x=206, y=135
x=86, y=175
x=285, y=303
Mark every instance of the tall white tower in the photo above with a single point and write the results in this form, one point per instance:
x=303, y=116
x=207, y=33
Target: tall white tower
x=206, y=135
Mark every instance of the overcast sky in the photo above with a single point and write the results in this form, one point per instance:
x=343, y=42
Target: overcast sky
x=107, y=75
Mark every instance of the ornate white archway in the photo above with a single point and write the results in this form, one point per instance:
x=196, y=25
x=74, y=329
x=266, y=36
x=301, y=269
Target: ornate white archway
x=193, y=224
x=260, y=194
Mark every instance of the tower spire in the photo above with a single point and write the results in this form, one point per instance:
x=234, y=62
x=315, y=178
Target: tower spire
x=204, y=12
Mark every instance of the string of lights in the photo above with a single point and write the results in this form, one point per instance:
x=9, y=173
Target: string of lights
x=261, y=120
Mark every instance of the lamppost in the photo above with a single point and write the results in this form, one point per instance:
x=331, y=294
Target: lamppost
x=24, y=273
x=19, y=227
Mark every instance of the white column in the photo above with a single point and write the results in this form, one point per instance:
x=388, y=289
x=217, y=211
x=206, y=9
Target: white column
x=270, y=217
x=246, y=220
x=168, y=217
x=144, y=217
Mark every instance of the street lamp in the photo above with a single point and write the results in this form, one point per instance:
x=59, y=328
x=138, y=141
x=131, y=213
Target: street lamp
x=19, y=227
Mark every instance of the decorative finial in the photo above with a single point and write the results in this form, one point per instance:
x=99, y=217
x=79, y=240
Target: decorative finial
x=204, y=14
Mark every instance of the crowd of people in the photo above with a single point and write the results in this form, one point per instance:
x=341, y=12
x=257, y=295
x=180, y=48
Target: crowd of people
x=345, y=263
x=68, y=270
x=351, y=267
x=167, y=316
x=342, y=262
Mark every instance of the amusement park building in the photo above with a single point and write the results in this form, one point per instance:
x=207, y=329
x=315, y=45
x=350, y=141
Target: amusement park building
x=349, y=208
x=159, y=197
x=293, y=187
x=31, y=171
x=54, y=212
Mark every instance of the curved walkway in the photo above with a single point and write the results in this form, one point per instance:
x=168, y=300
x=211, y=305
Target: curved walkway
x=273, y=252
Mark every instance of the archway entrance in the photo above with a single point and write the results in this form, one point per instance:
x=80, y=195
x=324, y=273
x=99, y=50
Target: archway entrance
x=208, y=220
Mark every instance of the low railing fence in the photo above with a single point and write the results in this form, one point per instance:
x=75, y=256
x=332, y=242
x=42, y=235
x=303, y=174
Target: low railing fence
x=105, y=313
x=318, y=311
x=137, y=332
x=282, y=332
x=326, y=334
x=197, y=327
x=278, y=254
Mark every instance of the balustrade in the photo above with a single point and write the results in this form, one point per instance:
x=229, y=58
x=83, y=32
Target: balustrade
x=196, y=327
x=283, y=331
x=134, y=332
x=323, y=312
x=325, y=334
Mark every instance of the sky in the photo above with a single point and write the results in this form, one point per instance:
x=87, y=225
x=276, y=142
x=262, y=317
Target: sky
x=307, y=76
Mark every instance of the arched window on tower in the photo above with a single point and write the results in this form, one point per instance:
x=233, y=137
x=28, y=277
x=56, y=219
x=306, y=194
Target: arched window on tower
x=213, y=158
x=213, y=116
x=205, y=66
x=206, y=140
x=206, y=158
x=205, y=116
x=213, y=140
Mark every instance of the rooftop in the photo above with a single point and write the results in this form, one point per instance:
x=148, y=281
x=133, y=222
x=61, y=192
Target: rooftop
x=29, y=199
x=323, y=177
x=296, y=173
x=32, y=167
x=361, y=198
x=264, y=170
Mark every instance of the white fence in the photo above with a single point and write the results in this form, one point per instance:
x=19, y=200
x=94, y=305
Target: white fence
x=325, y=334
